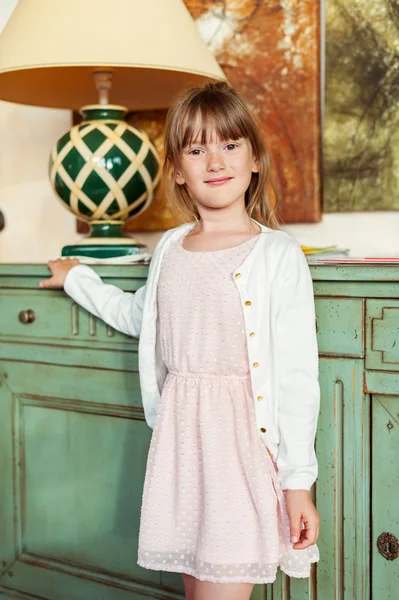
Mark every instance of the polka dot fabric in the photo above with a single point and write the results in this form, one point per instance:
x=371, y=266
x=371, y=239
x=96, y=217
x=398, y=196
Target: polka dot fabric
x=212, y=503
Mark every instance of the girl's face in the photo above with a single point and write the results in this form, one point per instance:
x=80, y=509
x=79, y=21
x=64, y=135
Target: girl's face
x=217, y=173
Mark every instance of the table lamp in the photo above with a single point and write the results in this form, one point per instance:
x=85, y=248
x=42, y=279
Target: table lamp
x=80, y=55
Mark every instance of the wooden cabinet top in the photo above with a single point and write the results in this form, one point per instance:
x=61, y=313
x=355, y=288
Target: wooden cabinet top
x=322, y=272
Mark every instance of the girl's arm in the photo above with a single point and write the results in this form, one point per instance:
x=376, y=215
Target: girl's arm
x=298, y=361
x=121, y=310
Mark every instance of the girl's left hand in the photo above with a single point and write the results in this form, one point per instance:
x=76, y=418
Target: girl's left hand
x=301, y=509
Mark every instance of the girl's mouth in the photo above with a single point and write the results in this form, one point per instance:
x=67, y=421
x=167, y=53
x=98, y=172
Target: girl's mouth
x=219, y=181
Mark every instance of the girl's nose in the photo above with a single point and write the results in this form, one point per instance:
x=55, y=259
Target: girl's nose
x=215, y=161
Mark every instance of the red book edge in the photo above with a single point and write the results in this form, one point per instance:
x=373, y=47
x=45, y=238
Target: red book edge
x=359, y=260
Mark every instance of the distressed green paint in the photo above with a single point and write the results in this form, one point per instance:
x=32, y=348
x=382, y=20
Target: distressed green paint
x=8, y=547
x=344, y=272
x=57, y=319
x=340, y=326
x=385, y=492
x=382, y=349
x=342, y=487
x=74, y=443
x=82, y=356
x=381, y=382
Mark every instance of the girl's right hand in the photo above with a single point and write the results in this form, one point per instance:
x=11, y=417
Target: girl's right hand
x=59, y=269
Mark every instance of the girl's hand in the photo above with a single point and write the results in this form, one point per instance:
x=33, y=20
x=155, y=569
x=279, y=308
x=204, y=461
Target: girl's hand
x=59, y=269
x=301, y=509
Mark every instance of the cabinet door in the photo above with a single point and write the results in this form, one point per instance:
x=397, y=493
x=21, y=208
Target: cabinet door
x=74, y=446
x=342, y=485
x=341, y=492
x=385, y=495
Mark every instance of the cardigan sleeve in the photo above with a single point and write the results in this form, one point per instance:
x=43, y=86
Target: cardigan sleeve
x=121, y=310
x=297, y=360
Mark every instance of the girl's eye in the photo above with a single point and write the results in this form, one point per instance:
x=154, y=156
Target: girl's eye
x=231, y=146
x=195, y=151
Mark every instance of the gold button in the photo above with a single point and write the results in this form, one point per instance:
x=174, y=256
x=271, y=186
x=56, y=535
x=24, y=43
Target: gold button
x=255, y=364
x=260, y=398
x=238, y=274
x=248, y=303
x=252, y=334
x=263, y=430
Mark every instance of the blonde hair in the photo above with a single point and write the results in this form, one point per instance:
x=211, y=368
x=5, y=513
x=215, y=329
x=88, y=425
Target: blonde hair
x=220, y=105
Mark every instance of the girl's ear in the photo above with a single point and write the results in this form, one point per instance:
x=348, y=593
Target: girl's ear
x=179, y=178
x=255, y=165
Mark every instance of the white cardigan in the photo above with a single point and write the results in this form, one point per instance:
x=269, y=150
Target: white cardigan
x=276, y=292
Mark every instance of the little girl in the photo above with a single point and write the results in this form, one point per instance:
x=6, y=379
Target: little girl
x=228, y=363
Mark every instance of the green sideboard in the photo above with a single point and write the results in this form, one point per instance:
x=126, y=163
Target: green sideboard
x=74, y=442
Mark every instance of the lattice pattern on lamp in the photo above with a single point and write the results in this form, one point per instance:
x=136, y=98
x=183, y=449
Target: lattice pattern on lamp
x=105, y=170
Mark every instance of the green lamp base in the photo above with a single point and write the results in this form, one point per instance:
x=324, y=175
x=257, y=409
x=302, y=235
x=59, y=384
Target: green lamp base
x=106, y=240
x=97, y=251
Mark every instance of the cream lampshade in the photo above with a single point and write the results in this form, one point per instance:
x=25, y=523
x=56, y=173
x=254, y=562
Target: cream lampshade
x=79, y=55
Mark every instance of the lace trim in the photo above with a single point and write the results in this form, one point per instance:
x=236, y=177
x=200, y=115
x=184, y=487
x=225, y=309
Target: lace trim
x=179, y=562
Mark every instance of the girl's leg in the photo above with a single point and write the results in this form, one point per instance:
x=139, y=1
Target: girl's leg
x=189, y=585
x=205, y=590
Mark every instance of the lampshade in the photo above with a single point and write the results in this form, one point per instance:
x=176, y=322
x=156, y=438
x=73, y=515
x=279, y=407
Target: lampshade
x=49, y=49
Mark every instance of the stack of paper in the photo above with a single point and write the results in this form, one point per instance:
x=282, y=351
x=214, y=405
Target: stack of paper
x=314, y=254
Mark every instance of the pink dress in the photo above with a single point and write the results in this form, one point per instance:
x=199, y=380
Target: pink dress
x=212, y=503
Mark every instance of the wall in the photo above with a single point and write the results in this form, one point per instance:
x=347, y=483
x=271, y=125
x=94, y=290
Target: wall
x=37, y=225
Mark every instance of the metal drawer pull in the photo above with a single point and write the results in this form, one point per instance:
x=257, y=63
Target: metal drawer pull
x=388, y=546
x=27, y=316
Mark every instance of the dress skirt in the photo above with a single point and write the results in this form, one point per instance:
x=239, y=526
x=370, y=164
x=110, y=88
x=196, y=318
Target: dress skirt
x=212, y=503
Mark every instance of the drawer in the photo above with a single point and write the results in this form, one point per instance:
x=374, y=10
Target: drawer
x=53, y=317
x=339, y=324
x=382, y=335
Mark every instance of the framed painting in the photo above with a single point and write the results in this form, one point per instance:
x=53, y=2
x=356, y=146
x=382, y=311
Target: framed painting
x=361, y=142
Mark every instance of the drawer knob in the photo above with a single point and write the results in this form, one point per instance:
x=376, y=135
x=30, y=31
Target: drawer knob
x=27, y=316
x=388, y=546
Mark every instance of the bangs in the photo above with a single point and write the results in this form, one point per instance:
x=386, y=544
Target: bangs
x=206, y=117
